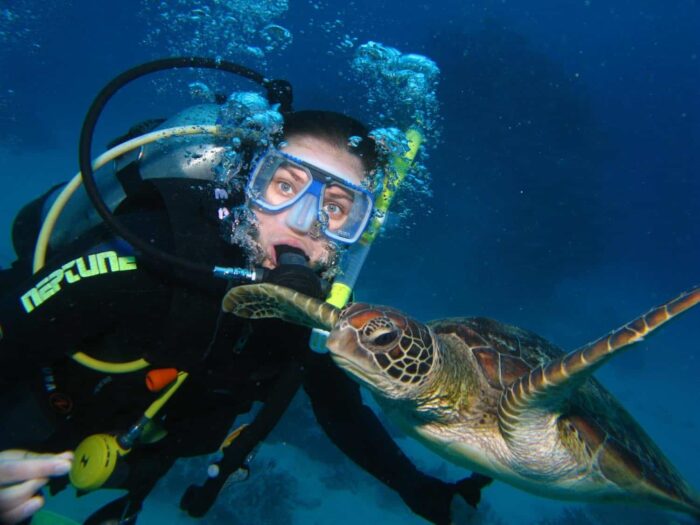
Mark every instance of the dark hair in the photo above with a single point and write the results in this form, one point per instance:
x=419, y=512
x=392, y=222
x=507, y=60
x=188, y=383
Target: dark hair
x=334, y=128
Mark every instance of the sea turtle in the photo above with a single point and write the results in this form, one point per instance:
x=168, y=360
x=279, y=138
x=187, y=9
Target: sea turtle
x=495, y=398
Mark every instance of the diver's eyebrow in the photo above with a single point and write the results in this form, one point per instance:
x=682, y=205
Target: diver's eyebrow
x=294, y=172
x=337, y=192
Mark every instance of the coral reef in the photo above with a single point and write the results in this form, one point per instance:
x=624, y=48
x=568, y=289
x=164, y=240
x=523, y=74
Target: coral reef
x=268, y=496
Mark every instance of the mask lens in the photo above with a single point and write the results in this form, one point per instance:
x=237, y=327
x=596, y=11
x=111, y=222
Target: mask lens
x=277, y=183
x=346, y=210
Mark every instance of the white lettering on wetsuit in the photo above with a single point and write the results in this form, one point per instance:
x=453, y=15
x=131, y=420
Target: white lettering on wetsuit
x=73, y=271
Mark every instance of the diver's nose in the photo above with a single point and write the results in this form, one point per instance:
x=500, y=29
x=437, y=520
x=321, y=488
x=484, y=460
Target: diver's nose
x=303, y=213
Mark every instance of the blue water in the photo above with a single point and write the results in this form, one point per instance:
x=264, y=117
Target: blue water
x=566, y=190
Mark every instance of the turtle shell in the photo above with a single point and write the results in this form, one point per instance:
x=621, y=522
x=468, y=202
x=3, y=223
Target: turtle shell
x=591, y=422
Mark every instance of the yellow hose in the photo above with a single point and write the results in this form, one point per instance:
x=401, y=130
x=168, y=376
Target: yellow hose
x=153, y=409
x=47, y=227
x=107, y=367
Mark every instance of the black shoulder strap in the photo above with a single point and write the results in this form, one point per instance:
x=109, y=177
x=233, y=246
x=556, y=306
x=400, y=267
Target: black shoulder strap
x=196, y=236
x=26, y=226
x=198, y=499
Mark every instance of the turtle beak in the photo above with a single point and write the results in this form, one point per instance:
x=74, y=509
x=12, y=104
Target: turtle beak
x=347, y=351
x=342, y=342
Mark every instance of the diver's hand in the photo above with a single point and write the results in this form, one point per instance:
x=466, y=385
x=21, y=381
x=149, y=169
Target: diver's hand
x=444, y=503
x=470, y=488
x=467, y=496
x=22, y=474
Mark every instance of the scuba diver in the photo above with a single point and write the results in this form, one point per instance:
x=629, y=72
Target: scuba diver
x=288, y=209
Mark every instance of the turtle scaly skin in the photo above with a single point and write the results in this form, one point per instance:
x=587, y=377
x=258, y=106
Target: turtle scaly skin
x=498, y=399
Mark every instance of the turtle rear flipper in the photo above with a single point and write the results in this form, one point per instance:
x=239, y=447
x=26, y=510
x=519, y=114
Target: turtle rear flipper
x=547, y=387
x=259, y=301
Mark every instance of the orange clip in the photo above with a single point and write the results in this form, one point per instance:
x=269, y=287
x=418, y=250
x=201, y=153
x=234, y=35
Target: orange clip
x=158, y=378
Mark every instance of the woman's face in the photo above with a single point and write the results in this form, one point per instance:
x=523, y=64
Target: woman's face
x=273, y=228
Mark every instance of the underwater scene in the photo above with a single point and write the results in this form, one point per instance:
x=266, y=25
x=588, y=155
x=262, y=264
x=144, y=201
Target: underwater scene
x=556, y=188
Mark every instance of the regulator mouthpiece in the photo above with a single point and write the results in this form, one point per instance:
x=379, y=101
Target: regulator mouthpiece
x=290, y=255
x=293, y=271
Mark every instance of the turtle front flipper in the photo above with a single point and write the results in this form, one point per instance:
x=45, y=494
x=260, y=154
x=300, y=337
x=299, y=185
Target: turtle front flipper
x=258, y=301
x=547, y=387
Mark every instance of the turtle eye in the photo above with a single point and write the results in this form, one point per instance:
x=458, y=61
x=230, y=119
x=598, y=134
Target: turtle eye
x=380, y=332
x=384, y=337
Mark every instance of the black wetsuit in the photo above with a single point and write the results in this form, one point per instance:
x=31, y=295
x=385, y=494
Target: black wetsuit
x=136, y=309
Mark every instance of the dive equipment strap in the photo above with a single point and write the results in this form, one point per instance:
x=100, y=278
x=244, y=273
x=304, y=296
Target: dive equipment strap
x=195, y=236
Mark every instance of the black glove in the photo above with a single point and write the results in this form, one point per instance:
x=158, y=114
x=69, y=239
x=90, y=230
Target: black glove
x=470, y=488
x=430, y=499
x=433, y=499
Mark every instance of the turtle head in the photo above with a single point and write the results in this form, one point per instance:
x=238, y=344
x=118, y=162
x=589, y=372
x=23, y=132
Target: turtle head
x=383, y=349
x=376, y=345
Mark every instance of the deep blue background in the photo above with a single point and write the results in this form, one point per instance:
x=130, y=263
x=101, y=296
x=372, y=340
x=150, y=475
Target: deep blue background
x=566, y=184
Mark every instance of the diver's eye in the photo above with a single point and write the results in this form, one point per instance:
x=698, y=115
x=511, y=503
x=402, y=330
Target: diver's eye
x=385, y=338
x=334, y=211
x=285, y=188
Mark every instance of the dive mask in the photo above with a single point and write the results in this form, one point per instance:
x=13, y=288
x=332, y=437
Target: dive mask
x=314, y=196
